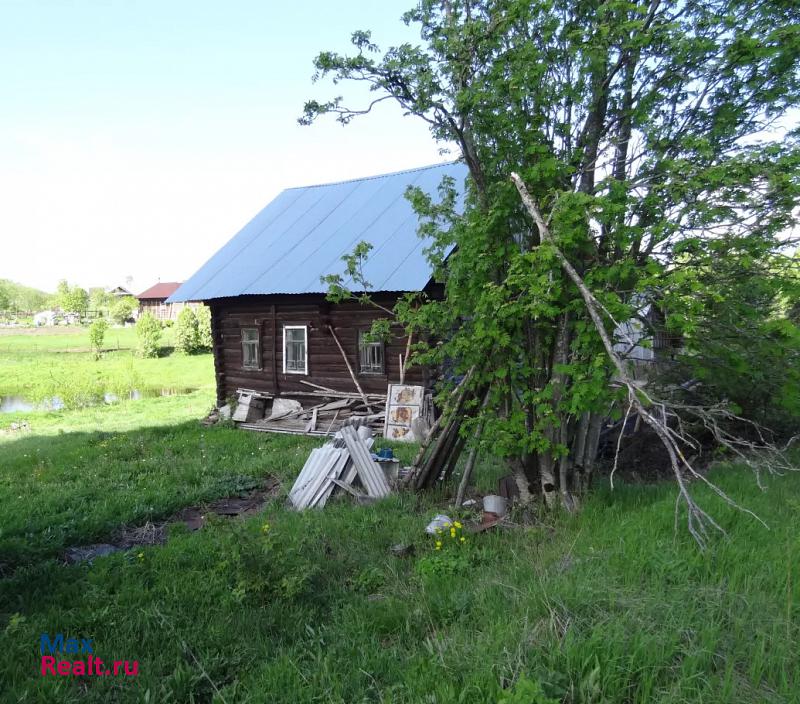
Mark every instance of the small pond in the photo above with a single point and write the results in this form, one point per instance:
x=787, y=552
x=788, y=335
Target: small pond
x=20, y=404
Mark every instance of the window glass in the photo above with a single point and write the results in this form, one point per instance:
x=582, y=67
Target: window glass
x=251, y=356
x=370, y=355
x=294, y=349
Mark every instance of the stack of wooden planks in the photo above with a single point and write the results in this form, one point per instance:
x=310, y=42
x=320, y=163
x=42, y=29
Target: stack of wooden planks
x=345, y=464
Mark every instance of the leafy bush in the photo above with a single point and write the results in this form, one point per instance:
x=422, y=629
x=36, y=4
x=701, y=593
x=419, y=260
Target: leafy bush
x=72, y=299
x=122, y=309
x=5, y=297
x=204, y=328
x=97, y=333
x=148, y=331
x=187, y=337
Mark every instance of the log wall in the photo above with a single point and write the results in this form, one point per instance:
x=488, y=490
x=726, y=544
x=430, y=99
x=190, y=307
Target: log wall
x=326, y=367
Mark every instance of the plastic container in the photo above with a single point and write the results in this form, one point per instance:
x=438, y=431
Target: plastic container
x=495, y=504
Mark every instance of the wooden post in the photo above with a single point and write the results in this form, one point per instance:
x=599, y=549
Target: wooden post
x=432, y=432
x=404, y=358
x=473, y=456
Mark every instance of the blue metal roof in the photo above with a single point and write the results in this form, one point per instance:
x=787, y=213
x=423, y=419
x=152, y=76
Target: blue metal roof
x=303, y=233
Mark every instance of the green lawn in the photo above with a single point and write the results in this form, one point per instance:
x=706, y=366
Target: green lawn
x=40, y=364
x=608, y=606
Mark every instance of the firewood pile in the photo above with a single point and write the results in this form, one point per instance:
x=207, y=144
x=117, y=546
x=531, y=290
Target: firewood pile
x=342, y=465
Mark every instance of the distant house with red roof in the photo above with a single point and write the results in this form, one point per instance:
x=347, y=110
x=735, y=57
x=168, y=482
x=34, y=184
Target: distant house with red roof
x=154, y=300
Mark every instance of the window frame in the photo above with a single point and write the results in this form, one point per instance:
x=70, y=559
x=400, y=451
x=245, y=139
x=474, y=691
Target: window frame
x=304, y=328
x=257, y=341
x=382, y=344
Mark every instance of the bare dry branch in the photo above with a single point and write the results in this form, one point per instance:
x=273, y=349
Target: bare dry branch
x=699, y=522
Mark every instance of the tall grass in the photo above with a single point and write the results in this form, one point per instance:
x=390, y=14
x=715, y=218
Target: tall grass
x=608, y=606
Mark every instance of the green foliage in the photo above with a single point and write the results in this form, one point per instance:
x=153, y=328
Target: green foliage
x=100, y=299
x=527, y=691
x=72, y=299
x=56, y=362
x=148, y=331
x=187, y=333
x=5, y=297
x=97, y=334
x=449, y=553
x=639, y=128
x=23, y=298
x=205, y=340
x=267, y=571
x=730, y=310
x=122, y=309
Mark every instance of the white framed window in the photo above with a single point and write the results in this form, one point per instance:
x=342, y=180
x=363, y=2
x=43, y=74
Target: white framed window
x=295, y=349
x=370, y=354
x=251, y=349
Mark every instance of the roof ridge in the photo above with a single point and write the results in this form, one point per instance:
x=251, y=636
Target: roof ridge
x=376, y=176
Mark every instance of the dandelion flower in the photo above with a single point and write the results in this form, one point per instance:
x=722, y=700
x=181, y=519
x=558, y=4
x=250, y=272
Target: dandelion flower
x=438, y=543
x=265, y=528
x=463, y=539
x=140, y=556
x=457, y=524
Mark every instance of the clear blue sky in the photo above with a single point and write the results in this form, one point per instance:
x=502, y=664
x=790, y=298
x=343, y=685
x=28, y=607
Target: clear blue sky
x=137, y=136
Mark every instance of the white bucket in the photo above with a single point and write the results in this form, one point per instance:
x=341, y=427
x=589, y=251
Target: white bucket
x=495, y=504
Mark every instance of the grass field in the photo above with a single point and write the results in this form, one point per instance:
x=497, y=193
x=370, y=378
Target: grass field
x=608, y=606
x=44, y=363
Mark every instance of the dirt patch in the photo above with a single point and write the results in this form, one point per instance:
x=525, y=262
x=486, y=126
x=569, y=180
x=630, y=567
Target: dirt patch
x=192, y=517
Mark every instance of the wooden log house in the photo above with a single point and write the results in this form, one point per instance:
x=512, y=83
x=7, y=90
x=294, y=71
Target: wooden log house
x=272, y=325
x=154, y=301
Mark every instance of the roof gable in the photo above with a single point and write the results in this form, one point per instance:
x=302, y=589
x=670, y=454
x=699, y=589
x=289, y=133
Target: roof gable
x=303, y=234
x=163, y=289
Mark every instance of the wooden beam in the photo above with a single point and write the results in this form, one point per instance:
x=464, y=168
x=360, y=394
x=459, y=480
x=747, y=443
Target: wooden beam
x=350, y=369
x=404, y=359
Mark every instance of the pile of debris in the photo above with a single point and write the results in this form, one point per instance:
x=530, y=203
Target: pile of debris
x=344, y=464
x=334, y=409
x=404, y=413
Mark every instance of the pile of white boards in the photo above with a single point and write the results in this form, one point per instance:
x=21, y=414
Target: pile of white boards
x=344, y=464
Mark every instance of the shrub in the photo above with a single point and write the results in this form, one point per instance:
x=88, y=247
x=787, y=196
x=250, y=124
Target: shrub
x=187, y=337
x=122, y=309
x=97, y=333
x=204, y=328
x=148, y=331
